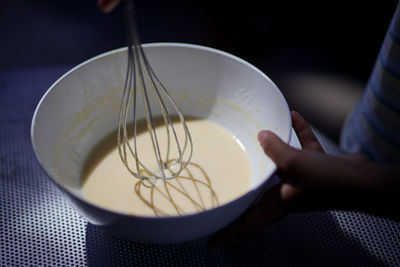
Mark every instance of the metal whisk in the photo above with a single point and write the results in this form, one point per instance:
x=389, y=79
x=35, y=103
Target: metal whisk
x=141, y=81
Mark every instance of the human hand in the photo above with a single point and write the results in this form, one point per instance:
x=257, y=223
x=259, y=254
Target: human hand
x=107, y=5
x=275, y=204
x=312, y=180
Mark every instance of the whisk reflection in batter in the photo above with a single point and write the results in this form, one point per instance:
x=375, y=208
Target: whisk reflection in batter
x=171, y=189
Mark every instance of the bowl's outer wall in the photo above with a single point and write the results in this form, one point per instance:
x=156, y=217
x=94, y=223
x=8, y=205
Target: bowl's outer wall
x=148, y=229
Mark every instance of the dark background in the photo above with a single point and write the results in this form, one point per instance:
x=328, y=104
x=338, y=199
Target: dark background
x=319, y=53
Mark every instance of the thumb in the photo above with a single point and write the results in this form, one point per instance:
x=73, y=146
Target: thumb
x=280, y=152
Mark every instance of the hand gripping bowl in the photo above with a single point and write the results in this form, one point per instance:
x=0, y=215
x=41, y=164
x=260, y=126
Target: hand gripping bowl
x=82, y=107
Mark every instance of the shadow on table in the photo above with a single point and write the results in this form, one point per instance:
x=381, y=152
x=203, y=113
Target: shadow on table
x=309, y=239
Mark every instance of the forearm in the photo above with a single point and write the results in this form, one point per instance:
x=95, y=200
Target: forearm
x=375, y=190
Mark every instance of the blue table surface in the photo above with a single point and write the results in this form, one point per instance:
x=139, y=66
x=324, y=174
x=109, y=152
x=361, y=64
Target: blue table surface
x=39, y=228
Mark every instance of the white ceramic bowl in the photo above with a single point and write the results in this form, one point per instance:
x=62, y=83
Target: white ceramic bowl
x=82, y=107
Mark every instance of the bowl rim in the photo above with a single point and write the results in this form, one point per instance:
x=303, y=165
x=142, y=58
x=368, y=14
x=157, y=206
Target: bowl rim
x=70, y=193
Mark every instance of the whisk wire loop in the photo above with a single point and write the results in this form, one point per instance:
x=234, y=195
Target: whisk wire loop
x=141, y=78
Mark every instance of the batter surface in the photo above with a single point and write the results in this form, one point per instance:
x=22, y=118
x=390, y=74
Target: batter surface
x=219, y=172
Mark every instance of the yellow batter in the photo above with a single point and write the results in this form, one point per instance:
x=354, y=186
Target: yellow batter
x=219, y=172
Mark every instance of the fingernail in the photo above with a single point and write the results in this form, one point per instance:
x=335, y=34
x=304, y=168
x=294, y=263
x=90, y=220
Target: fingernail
x=262, y=135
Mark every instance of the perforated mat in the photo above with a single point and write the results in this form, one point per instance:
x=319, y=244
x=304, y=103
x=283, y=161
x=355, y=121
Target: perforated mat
x=38, y=228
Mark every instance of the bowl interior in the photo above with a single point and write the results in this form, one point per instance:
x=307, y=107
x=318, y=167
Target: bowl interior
x=82, y=107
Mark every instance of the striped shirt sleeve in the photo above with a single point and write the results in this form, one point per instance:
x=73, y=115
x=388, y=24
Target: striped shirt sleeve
x=373, y=128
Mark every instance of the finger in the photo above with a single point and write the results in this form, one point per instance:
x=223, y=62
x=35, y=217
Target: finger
x=269, y=209
x=281, y=153
x=305, y=134
x=107, y=5
x=293, y=164
x=356, y=158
